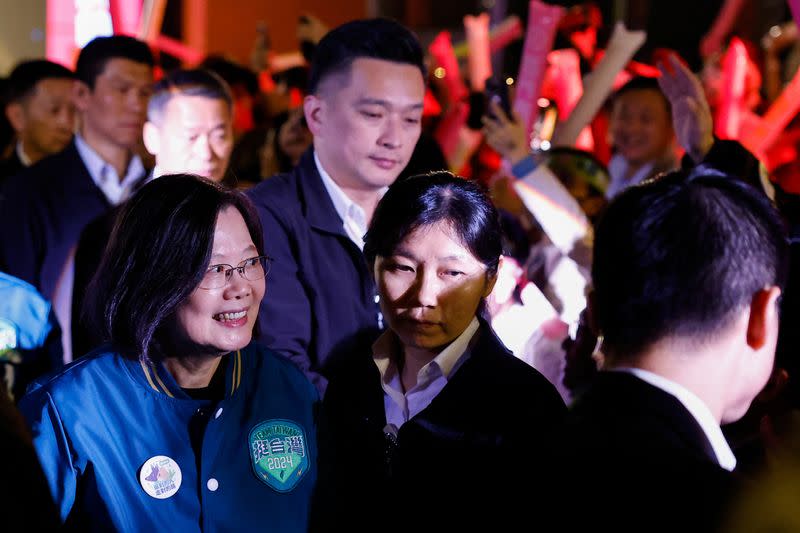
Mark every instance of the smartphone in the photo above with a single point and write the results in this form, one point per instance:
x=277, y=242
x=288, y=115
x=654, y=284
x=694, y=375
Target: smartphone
x=545, y=125
x=497, y=91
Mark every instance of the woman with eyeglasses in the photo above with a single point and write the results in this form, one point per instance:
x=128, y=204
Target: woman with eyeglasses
x=440, y=425
x=180, y=422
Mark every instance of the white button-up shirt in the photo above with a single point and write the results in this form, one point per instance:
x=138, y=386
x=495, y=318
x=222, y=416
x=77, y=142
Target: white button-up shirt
x=105, y=176
x=107, y=179
x=354, y=219
x=400, y=406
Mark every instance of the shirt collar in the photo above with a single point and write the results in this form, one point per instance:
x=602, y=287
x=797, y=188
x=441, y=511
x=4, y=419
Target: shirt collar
x=618, y=168
x=354, y=219
x=341, y=202
x=698, y=410
x=105, y=176
x=23, y=157
x=387, y=348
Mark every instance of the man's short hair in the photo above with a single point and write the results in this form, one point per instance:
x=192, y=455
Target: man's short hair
x=368, y=38
x=680, y=257
x=100, y=50
x=192, y=82
x=23, y=79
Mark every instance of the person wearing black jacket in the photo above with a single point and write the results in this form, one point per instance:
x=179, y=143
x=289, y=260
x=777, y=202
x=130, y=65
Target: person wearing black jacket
x=364, y=108
x=439, y=424
x=687, y=274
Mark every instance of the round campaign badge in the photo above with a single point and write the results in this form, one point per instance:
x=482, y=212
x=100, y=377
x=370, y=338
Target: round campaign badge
x=160, y=477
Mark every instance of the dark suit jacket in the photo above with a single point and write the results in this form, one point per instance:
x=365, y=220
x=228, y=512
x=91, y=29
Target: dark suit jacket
x=632, y=458
x=320, y=303
x=10, y=166
x=465, y=454
x=88, y=254
x=43, y=210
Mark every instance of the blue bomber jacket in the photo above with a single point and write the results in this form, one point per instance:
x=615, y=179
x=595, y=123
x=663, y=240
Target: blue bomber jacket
x=114, y=438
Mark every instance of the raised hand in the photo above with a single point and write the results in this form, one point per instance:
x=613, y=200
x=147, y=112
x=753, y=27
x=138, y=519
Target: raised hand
x=691, y=116
x=505, y=134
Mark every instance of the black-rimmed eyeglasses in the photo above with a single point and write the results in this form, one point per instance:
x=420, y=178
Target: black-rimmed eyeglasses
x=252, y=269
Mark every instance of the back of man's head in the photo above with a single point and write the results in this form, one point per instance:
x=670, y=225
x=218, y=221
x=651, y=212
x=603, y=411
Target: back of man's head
x=94, y=56
x=23, y=79
x=186, y=82
x=680, y=257
x=368, y=38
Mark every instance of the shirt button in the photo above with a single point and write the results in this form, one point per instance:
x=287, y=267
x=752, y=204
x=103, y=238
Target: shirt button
x=212, y=484
x=219, y=412
x=377, y=298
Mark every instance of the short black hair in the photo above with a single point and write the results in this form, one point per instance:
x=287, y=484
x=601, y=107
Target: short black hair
x=234, y=74
x=187, y=82
x=427, y=199
x=23, y=79
x=100, y=50
x=158, y=252
x=377, y=38
x=680, y=256
x=642, y=83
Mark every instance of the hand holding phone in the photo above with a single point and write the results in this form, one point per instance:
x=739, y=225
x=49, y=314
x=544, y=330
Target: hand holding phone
x=497, y=92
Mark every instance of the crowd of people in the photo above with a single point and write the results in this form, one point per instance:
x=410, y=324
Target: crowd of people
x=309, y=317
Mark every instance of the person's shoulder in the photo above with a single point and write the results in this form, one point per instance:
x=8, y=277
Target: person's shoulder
x=64, y=162
x=10, y=166
x=12, y=283
x=275, y=367
x=508, y=381
x=46, y=174
x=26, y=311
x=276, y=190
x=504, y=365
x=99, y=365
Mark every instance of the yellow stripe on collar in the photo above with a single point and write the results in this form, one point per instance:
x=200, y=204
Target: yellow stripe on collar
x=238, y=368
x=166, y=390
x=147, y=375
x=233, y=376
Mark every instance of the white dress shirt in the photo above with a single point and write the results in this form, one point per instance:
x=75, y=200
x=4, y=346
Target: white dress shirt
x=23, y=157
x=400, y=405
x=618, y=170
x=354, y=219
x=107, y=179
x=105, y=175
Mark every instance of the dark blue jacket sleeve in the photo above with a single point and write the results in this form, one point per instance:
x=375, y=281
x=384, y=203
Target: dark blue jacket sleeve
x=21, y=233
x=285, y=321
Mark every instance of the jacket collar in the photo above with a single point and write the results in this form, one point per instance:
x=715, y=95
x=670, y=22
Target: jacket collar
x=318, y=207
x=155, y=376
x=626, y=394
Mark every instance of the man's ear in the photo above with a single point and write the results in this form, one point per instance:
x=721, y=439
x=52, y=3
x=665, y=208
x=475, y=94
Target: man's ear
x=314, y=107
x=80, y=96
x=763, y=319
x=151, y=137
x=16, y=116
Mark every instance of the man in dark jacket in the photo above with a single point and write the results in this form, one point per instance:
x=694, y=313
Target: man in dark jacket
x=45, y=207
x=687, y=275
x=364, y=109
x=38, y=105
